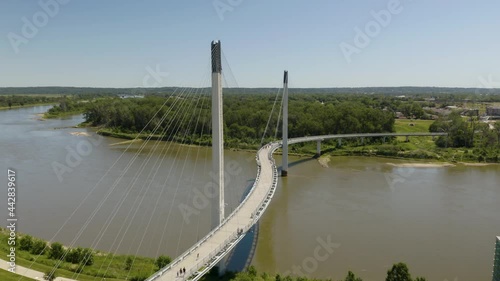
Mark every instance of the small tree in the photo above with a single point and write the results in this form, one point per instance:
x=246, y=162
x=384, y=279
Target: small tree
x=398, y=272
x=352, y=277
x=86, y=257
x=128, y=263
x=252, y=271
x=38, y=247
x=56, y=251
x=162, y=261
x=26, y=243
x=49, y=276
x=73, y=255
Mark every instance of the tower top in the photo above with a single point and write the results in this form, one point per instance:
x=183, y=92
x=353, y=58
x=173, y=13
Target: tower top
x=216, y=57
x=285, y=77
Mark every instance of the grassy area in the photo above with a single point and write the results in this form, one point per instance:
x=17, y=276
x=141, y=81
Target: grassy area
x=418, y=148
x=107, y=265
x=8, y=276
x=412, y=126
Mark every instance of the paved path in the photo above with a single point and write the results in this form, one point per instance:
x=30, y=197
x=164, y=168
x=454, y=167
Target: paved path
x=33, y=274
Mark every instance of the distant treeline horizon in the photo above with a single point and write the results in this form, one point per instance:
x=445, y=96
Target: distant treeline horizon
x=409, y=90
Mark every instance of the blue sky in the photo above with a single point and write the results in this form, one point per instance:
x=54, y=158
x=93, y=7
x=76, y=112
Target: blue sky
x=111, y=43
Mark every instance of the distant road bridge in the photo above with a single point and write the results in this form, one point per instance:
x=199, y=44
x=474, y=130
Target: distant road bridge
x=339, y=137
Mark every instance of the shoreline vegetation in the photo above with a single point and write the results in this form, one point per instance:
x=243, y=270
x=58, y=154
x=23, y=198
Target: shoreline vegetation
x=90, y=265
x=247, y=116
x=22, y=101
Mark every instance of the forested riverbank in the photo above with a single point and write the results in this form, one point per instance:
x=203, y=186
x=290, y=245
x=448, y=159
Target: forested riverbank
x=247, y=118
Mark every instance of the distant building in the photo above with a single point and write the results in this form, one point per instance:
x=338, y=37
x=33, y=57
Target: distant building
x=493, y=111
x=471, y=112
x=496, y=262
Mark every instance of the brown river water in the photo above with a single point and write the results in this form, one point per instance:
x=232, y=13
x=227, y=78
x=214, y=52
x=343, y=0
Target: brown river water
x=441, y=221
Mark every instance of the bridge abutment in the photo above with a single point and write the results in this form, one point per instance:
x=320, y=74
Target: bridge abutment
x=318, y=148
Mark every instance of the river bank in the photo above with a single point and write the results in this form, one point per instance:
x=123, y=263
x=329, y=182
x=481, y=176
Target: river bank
x=25, y=106
x=105, y=265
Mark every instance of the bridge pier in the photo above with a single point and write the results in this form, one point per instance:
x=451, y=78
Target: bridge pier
x=284, y=165
x=362, y=141
x=407, y=138
x=339, y=142
x=318, y=148
x=383, y=139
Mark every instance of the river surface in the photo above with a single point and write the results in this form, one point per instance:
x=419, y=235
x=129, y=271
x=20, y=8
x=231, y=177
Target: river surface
x=87, y=191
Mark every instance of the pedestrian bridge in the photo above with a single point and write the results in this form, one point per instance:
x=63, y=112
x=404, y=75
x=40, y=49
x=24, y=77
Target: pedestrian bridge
x=212, y=248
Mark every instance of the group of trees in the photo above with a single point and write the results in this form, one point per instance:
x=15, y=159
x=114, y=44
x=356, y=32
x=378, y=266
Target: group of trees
x=466, y=132
x=56, y=251
x=398, y=272
x=67, y=105
x=19, y=100
x=245, y=116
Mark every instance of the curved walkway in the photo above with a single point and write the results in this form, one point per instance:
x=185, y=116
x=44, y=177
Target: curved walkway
x=207, y=253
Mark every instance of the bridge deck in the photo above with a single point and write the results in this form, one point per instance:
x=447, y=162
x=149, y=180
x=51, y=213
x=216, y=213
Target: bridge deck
x=213, y=247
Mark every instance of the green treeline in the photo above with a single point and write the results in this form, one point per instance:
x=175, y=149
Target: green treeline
x=68, y=106
x=55, y=259
x=467, y=132
x=245, y=116
x=19, y=100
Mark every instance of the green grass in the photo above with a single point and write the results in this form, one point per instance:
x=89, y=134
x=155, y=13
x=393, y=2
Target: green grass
x=115, y=272
x=419, y=126
x=9, y=276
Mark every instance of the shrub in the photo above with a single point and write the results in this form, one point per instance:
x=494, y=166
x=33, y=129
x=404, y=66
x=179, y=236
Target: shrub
x=38, y=247
x=162, y=261
x=56, y=251
x=26, y=243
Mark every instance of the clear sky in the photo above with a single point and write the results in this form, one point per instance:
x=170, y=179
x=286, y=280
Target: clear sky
x=111, y=43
